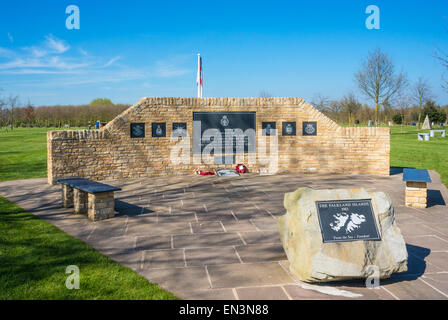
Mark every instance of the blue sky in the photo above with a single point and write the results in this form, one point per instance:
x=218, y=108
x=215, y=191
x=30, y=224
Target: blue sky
x=125, y=50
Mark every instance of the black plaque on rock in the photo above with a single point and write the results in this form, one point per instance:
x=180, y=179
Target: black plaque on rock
x=137, y=130
x=347, y=220
x=309, y=128
x=267, y=128
x=179, y=129
x=158, y=129
x=239, y=126
x=289, y=128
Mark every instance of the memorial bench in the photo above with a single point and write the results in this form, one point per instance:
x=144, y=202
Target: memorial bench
x=433, y=133
x=91, y=197
x=423, y=136
x=416, y=187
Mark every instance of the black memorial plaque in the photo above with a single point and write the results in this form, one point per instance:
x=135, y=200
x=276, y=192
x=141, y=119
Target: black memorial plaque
x=309, y=128
x=223, y=121
x=137, y=130
x=158, y=129
x=267, y=128
x=179, y=129
x=347, y=220
x=289, y=128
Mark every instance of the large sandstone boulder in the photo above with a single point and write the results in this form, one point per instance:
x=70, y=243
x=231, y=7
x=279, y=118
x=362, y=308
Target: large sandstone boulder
x=312, y=260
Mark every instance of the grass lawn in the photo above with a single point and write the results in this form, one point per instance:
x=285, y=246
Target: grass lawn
x=407, y=151
x=34, y=255
x=23, y=153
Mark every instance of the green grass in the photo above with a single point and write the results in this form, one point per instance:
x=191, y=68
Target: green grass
x=34, y=256
x=23, y=153
x=407, y=151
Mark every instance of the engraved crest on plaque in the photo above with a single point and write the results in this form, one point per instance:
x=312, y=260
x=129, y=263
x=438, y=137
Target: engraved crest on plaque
x=158, y=129
x=289, y=129
x=225, y=121
x=309, y=128
x=137, y=130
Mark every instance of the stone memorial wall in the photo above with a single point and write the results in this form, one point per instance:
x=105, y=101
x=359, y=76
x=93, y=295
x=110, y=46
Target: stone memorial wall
x=157, y=136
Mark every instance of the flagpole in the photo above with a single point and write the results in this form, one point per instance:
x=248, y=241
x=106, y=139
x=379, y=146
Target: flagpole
x=199, y=76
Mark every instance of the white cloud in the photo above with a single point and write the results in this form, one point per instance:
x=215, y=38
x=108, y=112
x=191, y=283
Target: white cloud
x=166, y=70
x=6, y=53
x=11, y=39
x=58, y=46
x=37, y=52
x=112, y=61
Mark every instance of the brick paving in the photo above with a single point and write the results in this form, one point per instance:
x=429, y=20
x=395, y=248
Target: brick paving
x=217, y=237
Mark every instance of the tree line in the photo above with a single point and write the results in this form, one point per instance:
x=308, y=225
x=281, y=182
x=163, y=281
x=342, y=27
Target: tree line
x=392, y=95
x=12, y=114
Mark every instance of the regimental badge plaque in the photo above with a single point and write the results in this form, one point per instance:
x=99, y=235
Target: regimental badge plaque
x=289, y=128
x=268, y=128
x=137, y=130
x=158, y=129
x=309, y=128
x=179, y=129
x=347, y=220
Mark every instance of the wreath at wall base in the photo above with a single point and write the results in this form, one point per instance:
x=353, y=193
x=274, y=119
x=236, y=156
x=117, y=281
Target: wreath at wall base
x=241, y=168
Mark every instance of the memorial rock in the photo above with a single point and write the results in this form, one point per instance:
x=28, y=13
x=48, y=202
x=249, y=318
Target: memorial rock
x=342, y=234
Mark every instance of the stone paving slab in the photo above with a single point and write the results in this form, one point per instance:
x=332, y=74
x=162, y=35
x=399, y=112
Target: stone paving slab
x=217, y=238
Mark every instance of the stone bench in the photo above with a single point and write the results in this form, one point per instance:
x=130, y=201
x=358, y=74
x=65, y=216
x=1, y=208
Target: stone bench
x=423, y=136
x=91, y=197
x=433, y=133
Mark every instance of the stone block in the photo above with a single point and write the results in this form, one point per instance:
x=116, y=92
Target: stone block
x=80, y=201
x=312, y=260
x=67, y=196
x=101, y=206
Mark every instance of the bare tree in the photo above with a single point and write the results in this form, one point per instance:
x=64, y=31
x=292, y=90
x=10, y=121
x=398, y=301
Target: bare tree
x=264, y=94
x=421, y=93
x=377, y=79
x=12, y=102
x=403, y=102
x=350, y=105
x=443, y=58
x=2, y=103
x=321, y=102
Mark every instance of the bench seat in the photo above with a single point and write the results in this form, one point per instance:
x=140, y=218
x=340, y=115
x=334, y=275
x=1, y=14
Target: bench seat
x=87, y=185
x=91, y=197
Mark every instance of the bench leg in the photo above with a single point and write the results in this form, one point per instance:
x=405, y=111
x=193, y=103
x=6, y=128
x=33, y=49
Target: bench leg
x=80, y=201
x=101, y=206
x=67, y=196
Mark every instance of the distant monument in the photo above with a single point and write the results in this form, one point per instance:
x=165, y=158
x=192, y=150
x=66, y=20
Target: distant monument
x=426, y=124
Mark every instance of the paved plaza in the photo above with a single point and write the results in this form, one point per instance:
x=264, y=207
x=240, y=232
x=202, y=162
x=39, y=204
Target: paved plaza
x=208, y=237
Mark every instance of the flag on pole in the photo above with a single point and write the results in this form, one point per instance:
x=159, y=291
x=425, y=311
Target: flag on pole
x=199, y=76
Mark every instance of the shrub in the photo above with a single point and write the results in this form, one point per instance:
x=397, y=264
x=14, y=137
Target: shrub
x=397, y=118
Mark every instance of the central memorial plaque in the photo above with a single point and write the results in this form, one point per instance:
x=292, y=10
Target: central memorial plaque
x=347, y=220
x=236, y=125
